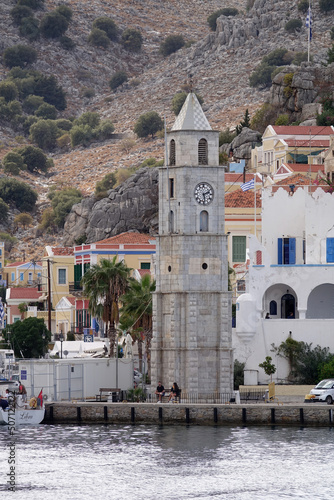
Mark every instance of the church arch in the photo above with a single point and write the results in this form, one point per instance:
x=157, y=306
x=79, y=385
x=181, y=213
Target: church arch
x=203, y=152
x=320, y=302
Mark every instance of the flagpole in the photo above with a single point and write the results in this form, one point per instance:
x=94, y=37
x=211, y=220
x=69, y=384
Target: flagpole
x=255, y=204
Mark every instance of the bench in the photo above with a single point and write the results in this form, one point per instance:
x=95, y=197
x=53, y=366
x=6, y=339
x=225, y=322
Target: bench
x=106, y=390
x=166, y=395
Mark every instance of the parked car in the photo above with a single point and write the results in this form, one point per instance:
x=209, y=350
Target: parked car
x=137, y=377
x=324, y=391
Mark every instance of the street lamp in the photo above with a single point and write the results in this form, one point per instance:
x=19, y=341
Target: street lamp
x=61, y=338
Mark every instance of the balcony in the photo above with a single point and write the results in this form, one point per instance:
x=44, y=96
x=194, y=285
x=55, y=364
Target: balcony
x=75, y=287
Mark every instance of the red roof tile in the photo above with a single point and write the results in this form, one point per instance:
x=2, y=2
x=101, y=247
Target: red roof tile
x=130, y=237
x=71, y=300
x=304, y=167
x=63, y=250
x=142, y=272
x=25, y=293
x=16, y=264
x=302, y=130
x=241, y=199
x=299, y=143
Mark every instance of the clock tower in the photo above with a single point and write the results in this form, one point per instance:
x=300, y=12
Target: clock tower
x=192, y=323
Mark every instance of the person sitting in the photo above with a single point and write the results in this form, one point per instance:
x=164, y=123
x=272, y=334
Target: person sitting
x=174, y=392
x=160, y=392
x=3, y=403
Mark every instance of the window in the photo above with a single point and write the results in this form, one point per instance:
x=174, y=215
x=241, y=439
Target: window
x=204, y=221
x=172, y=152
x=258, y=257
x=30, y=277
x=82, y=318
x=0, y=252
x=61, y=276
x=330, y=250
x=273, y=308
x=171, y=188
x=145, y=265
x=239, y=248
x=21, y=276
x=0, y=265
x=12, y=277
x=241, y=286
x=203, y=152
x=286, y=251
x=171, y=221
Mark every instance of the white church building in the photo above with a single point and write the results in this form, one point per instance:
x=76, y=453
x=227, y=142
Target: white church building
x=291, y=277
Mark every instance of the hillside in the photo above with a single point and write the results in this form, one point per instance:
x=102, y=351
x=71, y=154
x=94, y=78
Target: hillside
x=220, y=64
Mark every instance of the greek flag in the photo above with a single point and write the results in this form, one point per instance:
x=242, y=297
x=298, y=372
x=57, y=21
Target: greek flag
x=247, y=185
x=2, y=312
x=308, y=23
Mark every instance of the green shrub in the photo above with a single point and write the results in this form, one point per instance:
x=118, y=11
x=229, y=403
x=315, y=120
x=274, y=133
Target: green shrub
x=81, y=134
x=89, y=118
x=11, y=168
x=8, y=90
x=29, y=28
x=132, y=40
x=148, y=124
x=88, y=92
x=277, y=57
x=32, y=103
x=4, y=209
x=44, y=133
x=18, y=193
x=34, y=158
x=293, y=25
x=19, y=12
x=64, y=141
x=282, y=119
x=53, y=25
x=10, y=111
x=332, y=33
x=103, y=186
x=64, y=124
x=326, y=5
x=28, y=122
x=299, y=58
x=19, y=55
x=303, y=6
x=104, y=130
x=65, y=11
x=263, y=117
x=107, y=25
x=33, y=4
x=47, y=87
x=23, y=219
x=46, y=111
x=178, y=101
x=98, y=38
x=330, y=55
x=227, y=11
x=66, y=42
x=226, y=137
x=287, y=81
x=117, y=79
x=171, y=44
x=261, y=76
x=62, y=202
x=15, y=158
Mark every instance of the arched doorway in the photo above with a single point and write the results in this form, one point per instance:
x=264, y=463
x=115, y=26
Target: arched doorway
x=288, y=306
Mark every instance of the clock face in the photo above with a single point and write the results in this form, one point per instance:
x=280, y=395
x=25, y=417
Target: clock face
x=203, y=193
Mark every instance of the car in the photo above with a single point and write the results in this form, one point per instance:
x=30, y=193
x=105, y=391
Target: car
x=324, y=391
x=137, y=377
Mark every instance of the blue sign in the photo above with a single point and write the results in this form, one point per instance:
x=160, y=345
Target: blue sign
x=23, y=374
x=88, y=338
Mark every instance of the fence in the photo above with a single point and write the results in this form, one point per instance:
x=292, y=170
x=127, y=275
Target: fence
x=186, y=397
x=252, y=395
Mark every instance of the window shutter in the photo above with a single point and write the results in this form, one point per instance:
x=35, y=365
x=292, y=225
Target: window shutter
x=292, y=250
x=330, y=250
x=280, y=251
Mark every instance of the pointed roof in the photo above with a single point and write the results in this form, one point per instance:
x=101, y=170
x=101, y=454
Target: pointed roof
x=191, y=116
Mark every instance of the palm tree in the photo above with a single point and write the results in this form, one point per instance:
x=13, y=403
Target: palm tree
x=103, y=284
x=137, y=305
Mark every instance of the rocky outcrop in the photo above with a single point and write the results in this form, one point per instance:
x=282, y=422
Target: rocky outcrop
x=132, y=206
x=242, y=144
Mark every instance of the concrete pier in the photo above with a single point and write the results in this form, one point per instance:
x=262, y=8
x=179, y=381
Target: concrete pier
x=307, y=414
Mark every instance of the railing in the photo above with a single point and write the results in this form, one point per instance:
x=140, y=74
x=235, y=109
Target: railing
x=75, y=286
x=188, y=397
x=252, y=395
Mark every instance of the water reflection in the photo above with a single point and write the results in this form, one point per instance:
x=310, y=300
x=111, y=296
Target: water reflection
x=150, y=462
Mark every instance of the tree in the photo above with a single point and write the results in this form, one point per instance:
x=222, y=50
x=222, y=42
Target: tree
x=303, y=6
x=26, y=337
x=178, y=101
x=89, y=118
x=33, y=4
x=44, y=133
x=261, y=76
x=238, y=374
x=4, y=209
x=29, y=28
x=47, y=87
x=244, y=123
x=32, y=103
x=20, y=12
x=18, y=193
x=148, y=124
x=137, y=305
x=103, y=186
x=46, y=111
x=171, y=44
x=98, y=38
x=19, y=55
x=53, y=25
x=326, y=5
x=62, y=202
x=104, y=284
x=269, y=368
x=132, y=40
x=107, y=25
x=117, y=79
x=34, y=158
x=65, y=11
x=23, y=220
x=14, y=157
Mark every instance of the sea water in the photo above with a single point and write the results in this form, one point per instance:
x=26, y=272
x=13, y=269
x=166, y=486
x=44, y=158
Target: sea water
x=135, y=462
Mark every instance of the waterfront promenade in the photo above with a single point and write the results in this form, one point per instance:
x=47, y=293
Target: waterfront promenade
x=306, y=414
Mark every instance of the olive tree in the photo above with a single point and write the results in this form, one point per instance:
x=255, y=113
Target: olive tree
x=148, y=124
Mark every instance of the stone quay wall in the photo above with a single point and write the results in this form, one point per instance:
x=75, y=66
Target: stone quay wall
x=308, y=414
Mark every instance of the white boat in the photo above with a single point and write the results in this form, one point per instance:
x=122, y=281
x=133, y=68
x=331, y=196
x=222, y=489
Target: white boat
x=19, y=412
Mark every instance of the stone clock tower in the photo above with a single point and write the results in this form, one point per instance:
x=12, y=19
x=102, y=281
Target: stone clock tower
x=192, y=324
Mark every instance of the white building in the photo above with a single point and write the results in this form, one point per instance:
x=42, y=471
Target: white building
x=294, y=283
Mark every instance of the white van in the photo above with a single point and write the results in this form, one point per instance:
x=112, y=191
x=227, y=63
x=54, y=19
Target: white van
x=324, y=391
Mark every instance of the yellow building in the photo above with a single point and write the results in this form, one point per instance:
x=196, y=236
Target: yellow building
x=289, y=144
x=23, y=273
x=58, y=272
x=2, y=263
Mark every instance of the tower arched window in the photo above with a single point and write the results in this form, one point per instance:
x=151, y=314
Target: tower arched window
x=172, y=152
x=203, y=152
x=171, y=221
x=204, y=221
